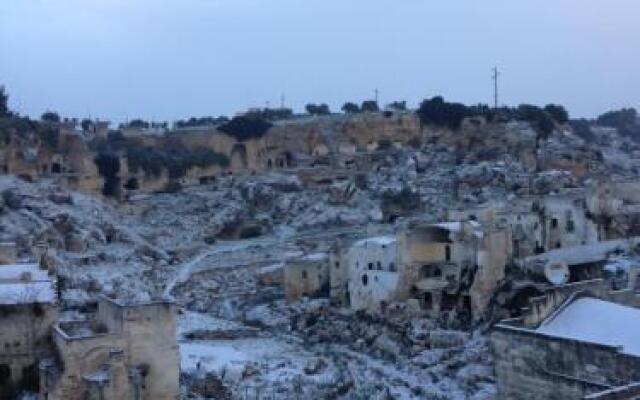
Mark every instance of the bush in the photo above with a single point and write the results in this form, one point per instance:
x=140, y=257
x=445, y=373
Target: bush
x=369, y=106
x=539, y=119
x=582, y=129
x=624, y=120
x=350, y=108
x=203, y=121
x=441, y=113
x=558, y=113
x=245, y=127
x=318, y=109
x=109, y=168
x=619, y=118
x=50, y=116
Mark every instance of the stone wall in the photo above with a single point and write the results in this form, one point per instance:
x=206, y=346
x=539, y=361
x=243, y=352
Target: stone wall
x=532, y=366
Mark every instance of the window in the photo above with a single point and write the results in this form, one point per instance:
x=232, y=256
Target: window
x=337, y=264
x=447, y=253
x=570, y=226
x=554, y=223
x=392, y=267
x=370, y=266
x=378, y=266
x=437, y=272
x=304, y=274
x=365, y=280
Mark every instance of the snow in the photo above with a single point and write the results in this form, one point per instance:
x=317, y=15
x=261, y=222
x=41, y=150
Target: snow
x=27, y=293
x=597, y=321
x=25, y=284
x=379, y=240
x=17, y=271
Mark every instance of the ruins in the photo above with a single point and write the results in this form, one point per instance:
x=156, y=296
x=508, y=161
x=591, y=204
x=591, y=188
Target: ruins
x=367, y=255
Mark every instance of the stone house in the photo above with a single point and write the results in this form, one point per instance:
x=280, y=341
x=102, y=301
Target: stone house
x=573, y=342
x=307, y=277
x=452, y=267
x=28, y=308
x=371, y=267
x=128, y=351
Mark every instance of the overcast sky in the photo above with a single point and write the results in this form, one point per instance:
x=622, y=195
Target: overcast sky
x=169, y=59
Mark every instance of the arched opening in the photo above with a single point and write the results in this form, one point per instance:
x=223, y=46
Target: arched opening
x=56, y=168
x=365, y=280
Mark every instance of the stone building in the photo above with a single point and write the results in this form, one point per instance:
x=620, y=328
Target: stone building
x=128, y=351
x=573, y=342
x=452, y=267
x=307, y=277
x=28, y=308
x=371, y=267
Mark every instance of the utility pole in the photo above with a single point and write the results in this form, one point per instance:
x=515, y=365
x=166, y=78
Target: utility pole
x=495, y=76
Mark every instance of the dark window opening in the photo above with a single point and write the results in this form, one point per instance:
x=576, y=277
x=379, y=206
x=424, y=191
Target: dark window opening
x=392, y=267
x=370, y=266
x=378, y=266
x=554, y=223
x=337, y=264
x=365, y=279
x=56, y=168
x=427, y=301
x=5, y=374
x=570, y=226
x=304, y=274
x=447, y=253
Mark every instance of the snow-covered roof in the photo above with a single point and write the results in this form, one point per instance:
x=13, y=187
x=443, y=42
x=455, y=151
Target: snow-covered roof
x=16, y=272
x=597, y=321
x=25, y=284
x=377, y=240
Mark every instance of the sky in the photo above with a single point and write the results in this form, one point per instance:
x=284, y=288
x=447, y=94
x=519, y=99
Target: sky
x=171, y=59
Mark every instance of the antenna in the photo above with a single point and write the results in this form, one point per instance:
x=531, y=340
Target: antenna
x=282, y=100
x=376, y=93
x=495, y=76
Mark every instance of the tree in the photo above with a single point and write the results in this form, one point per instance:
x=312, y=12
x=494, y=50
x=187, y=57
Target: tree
x=350, y=108
x=4, y=103
x=438, y=112
x=318, y=109
x=50, y=116
x=138, y=124
x=369, y=106
x=109, y=168
x=245, y=127
x=557, y=112
x=541, y=121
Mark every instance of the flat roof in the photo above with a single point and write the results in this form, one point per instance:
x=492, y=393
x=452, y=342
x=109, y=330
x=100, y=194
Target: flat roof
x=592, y=320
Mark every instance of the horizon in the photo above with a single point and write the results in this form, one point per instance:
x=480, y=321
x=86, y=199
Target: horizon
x=118, y=61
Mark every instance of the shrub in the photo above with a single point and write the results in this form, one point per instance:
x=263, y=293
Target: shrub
x=558, y=113
x=350, y=108
x=441, y=113
x=369, y=106
x=539, y=119
x=582, y=129
x=245, y=127
x=109, y=168
x=318, y=109
x=50, y=116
